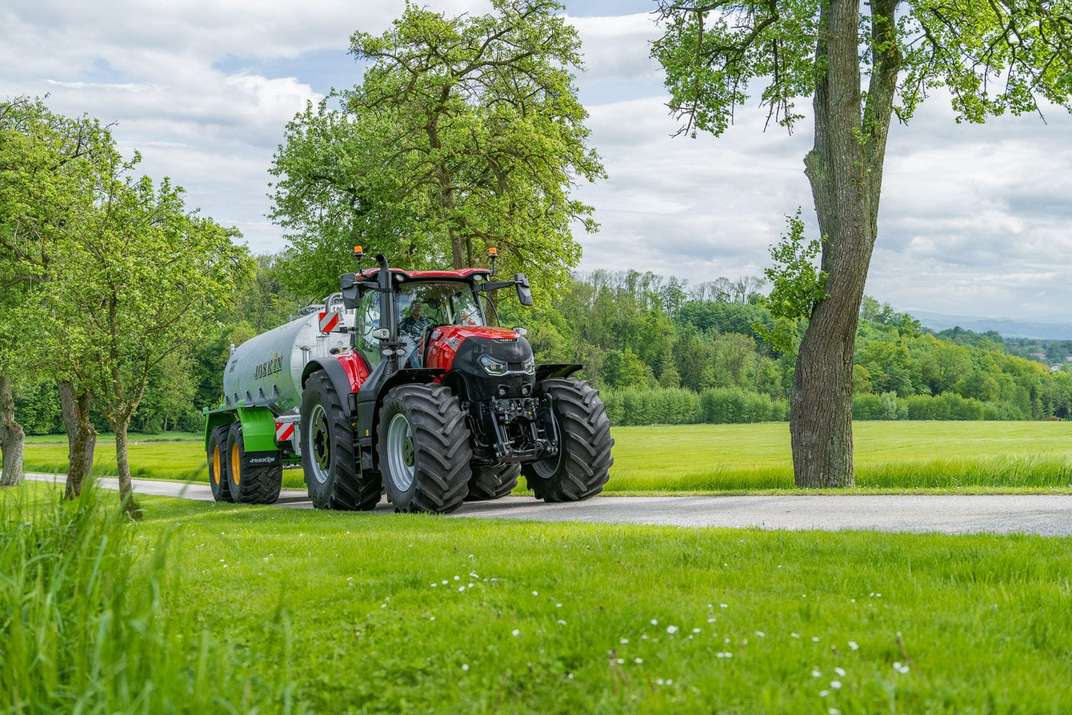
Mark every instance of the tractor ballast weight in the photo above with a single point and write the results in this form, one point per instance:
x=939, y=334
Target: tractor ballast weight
x=432, y=409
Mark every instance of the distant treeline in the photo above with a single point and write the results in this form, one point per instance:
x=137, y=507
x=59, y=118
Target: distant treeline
x=663, y=351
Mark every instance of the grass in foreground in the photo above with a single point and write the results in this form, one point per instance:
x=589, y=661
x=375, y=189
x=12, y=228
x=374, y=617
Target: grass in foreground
x=344, y=612
x=890, y=456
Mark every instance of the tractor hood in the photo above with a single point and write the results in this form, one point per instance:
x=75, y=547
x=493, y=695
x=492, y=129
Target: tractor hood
x=496, y=362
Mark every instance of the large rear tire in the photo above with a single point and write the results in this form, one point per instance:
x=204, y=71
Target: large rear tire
x=217, y=465
x=493, y=482
x=424, y=449
x=583, y=463
x=328, y=445
x=250, y=484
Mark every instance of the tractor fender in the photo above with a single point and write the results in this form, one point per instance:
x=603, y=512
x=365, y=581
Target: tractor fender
x=339, y=380
x=549, y=370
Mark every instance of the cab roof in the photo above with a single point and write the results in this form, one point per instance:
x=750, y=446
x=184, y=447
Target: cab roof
x=462, y=274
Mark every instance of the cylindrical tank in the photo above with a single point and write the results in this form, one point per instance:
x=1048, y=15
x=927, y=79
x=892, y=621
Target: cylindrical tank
x=266, y=370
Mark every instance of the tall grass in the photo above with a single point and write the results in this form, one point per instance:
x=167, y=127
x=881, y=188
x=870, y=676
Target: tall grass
x=84, y=627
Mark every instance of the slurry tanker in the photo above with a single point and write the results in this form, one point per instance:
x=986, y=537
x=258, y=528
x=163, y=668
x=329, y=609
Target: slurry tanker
x=401, y=384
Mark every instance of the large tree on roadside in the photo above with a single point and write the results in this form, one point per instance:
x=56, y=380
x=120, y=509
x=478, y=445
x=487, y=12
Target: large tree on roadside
x=861, y=65
x=45, y=191
x=144, y=281
x=465, y=132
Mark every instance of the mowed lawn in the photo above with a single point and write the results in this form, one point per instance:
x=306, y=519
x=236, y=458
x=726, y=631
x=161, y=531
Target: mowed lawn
x=967, y=456
x=344, y=612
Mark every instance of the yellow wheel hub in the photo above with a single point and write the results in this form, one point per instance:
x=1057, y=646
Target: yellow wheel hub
x=236, y=465
x=217, y=462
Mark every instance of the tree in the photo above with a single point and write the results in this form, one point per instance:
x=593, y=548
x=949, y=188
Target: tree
x=992, y=57
x=465, y=132
x=44, y=190
x=144, y=281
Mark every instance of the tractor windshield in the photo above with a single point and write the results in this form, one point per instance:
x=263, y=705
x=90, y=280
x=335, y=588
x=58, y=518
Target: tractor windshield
x=422, y=305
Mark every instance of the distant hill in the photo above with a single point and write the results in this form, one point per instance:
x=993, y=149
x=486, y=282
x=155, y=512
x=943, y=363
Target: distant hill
x=1007, y=327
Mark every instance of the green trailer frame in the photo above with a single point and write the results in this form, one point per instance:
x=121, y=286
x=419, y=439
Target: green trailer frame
x=258, y=426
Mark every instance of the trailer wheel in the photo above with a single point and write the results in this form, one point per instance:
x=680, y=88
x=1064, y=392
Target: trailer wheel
x=493, y=482
x=328, y=458
x=217, y=465
x=424, y=449
x=582, y=465
x=250, y=484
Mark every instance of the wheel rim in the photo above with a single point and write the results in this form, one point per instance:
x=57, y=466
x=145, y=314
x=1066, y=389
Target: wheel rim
x=216, y=464
x=319, y=444
x=400, y=458
x=546, y=468
x=236, y=465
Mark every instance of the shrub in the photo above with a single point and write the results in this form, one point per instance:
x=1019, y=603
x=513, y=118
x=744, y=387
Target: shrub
x=667, y=406
x=734, y=405
x=946, y=406
x=878, y=407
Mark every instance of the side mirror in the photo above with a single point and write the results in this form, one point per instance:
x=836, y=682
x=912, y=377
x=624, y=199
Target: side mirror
x=350, y=290
x=524, y=292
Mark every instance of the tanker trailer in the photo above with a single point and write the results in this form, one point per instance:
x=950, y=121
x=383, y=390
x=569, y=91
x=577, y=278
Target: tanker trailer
x=252, y=436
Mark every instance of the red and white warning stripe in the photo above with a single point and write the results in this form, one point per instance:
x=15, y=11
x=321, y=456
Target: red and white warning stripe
x=329, y=320
x=283, y=431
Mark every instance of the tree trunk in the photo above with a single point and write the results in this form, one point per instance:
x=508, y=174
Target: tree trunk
x=126, y=489
x=821, y=406
x=11, y=437
x=81, y=437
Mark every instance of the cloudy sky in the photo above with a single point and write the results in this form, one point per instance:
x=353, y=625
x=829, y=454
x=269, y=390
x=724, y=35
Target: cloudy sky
x=975, y=220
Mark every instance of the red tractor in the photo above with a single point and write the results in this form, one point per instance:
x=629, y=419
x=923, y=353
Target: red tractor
x=402, y=384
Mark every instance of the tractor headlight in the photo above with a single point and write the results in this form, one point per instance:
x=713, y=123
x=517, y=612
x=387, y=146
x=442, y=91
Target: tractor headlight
x=492, y=366
x=530, y=366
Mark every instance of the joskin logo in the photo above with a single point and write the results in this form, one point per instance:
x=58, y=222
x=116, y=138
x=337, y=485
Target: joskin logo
x=268, y=367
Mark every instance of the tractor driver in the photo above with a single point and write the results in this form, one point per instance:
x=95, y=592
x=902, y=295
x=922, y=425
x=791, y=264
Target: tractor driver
x=412, y=328
x=414, y=323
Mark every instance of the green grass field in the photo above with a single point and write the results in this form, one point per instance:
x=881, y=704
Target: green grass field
x=340, y=612
x=965, y=456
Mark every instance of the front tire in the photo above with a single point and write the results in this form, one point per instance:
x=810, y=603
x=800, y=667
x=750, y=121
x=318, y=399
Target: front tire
x=582, y=465
x=217, y=465
x=493, y=482
x=424, y=449
x=328, y=452
x=250, y=484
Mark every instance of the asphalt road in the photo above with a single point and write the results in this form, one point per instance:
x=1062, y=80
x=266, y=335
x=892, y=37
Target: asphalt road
x=1048, y=515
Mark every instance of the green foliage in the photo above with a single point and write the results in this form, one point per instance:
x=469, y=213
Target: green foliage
x=991, y=57
x=141, y=284
x=677, y=406
x=797, y=285
x=465, y=132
